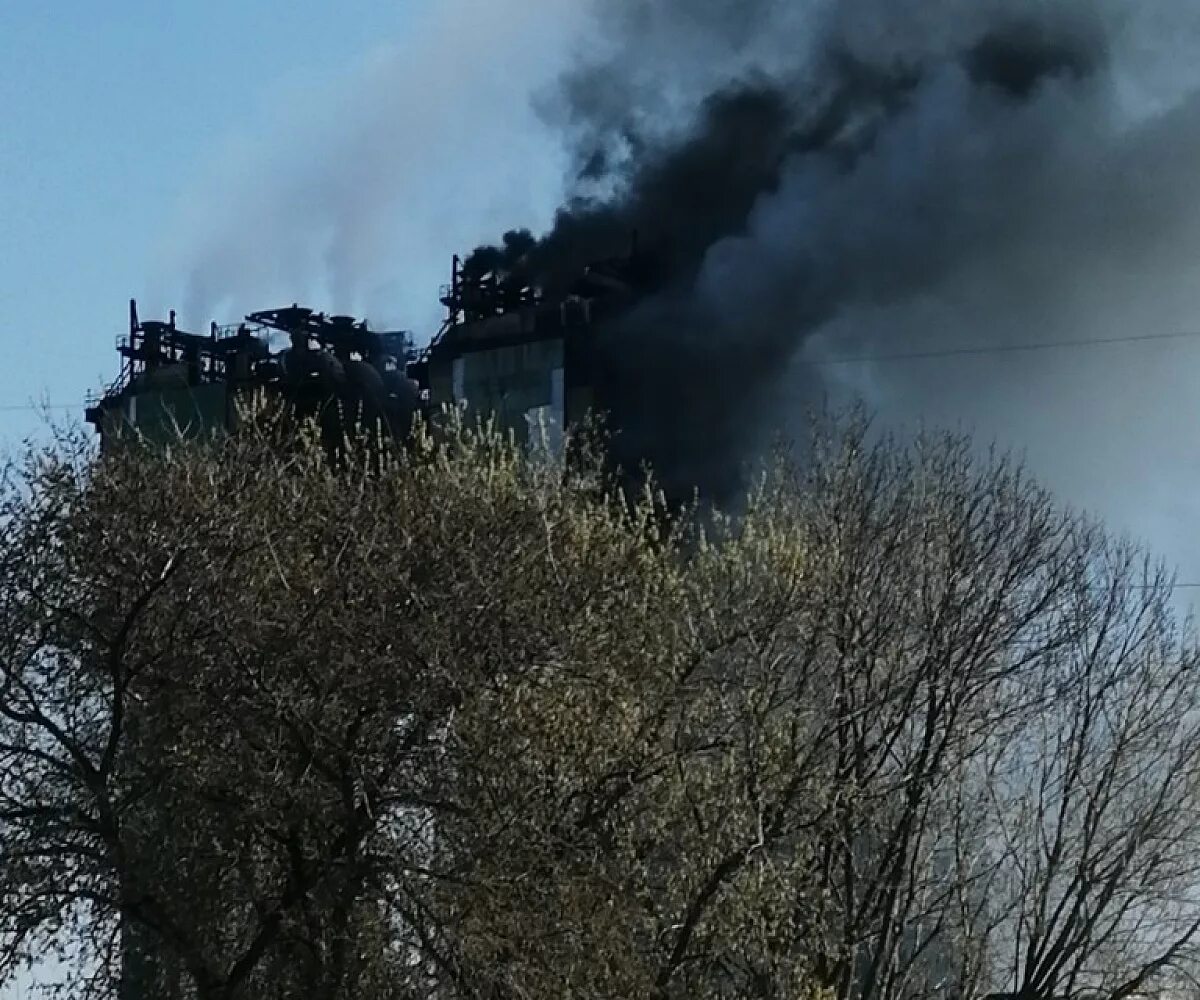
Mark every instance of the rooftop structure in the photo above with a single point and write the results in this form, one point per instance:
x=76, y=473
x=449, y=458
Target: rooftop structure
x=505, y=350
x=332, y=367
x=536, y=365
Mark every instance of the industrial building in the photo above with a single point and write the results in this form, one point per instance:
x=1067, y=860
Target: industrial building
x=505, y=350
x=332, y=368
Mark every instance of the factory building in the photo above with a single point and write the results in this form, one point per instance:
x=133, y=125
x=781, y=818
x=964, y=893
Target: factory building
x=505, y=351
x=332, y=368
x=536, y=365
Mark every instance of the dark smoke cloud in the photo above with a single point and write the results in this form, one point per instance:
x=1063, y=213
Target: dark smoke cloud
x=786, y=163
x=1018, y=57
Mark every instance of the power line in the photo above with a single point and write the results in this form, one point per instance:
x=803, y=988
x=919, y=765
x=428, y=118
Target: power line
x=948, y=352
x=15, y=407
x=1044, y=345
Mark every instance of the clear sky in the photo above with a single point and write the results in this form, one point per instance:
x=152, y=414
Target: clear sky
x=220, y=156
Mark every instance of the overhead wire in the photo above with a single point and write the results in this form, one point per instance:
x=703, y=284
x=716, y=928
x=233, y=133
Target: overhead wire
x=986, y=349
x=981, y=350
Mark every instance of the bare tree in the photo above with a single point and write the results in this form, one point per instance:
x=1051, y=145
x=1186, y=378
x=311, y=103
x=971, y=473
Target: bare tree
x=803, y=769
x=1016, y=741
x=1095, y=800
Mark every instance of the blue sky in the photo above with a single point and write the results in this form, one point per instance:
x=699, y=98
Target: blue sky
x=221, y=156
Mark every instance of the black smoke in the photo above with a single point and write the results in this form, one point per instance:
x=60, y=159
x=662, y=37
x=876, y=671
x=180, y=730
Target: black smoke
x=1017, y=58
x=848, y=159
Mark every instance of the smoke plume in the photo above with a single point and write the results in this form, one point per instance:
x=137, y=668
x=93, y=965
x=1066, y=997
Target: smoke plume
x=863, y=178
x=355, y=185
x=820, y=180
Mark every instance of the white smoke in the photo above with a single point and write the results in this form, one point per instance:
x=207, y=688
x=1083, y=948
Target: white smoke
x=354, y=197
